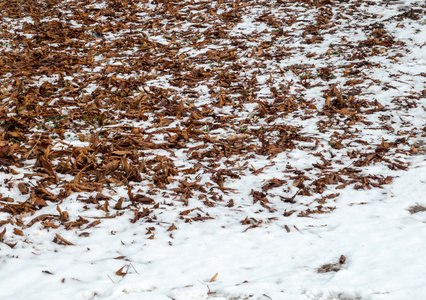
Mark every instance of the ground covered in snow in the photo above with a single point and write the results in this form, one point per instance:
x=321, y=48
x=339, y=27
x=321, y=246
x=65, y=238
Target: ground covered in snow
x=212, y=149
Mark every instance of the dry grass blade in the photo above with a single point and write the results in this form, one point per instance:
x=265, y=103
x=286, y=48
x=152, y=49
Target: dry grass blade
x=214, y=277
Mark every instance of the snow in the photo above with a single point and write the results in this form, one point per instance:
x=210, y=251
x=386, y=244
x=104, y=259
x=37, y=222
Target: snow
x=383, y=242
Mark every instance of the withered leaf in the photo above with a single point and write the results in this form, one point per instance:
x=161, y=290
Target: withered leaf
x=388, y=180
x=272, y=183
x=185, y=212
x=11, y=245
x=76, y=224
x=49, y=224
x=2, y=234
x=47, y=272
x=111, y=167
x=17, y=232
x=172, y=227
x=289, y=213
x=64, y=216
x=23, y=188
x=120, y=271
x=39, y=218
x=143, y=199
x=140, y=214
x=119, y=204
x=60, y=240
x=120, y=257
x=39, y=202
x=93, y=224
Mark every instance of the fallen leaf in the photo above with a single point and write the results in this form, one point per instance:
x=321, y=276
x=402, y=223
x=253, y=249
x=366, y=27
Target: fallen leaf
x=120, y=272
x=171, y=228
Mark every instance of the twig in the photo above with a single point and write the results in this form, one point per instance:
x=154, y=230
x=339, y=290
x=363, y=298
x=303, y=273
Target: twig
x=111, y=279
x=134, y=268
x=31, y=150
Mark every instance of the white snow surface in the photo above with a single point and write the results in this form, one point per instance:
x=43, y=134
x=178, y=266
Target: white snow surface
x=383, y=243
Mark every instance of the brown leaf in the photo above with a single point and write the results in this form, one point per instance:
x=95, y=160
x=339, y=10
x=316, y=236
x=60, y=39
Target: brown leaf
x=388, y=180
x=23, y=188
x=47, y=272
x=2, y=234
x=140, y=214
x=143, y=199
x=11, y=245
x=119, y=204
x=4, y=150
x=120, y=272
x=12, y=149
x=125, y=164
x=78, y=177
x=289, y=213
x=39, y=202
x=46, y=165
x=38, y=219
x=186, y=212
x=18, y=232
x=64, y=216
x=93, y=224
x=120, y=257
x=272, y=183
x=105, y=206
x=111, y=167
x=60, y=240
x=171, y=228
x=49, y=224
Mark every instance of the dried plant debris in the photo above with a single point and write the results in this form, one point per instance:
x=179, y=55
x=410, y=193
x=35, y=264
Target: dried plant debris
x=131, y=108
x=419, y=147
x=416, y=208
x=335, y=267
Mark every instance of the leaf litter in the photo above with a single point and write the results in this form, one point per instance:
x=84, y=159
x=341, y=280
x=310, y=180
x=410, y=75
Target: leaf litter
x=142, y=110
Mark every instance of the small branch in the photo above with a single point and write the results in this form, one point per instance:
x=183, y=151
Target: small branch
x=134, y=268
x=111, y=279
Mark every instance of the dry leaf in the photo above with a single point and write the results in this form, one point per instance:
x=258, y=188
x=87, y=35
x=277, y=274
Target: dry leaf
x=120, y=272
x=60, y=240
x=171, y=228
x=18, y=232
x=23, y=188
